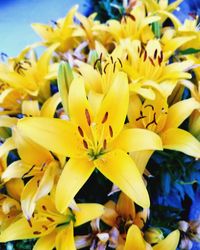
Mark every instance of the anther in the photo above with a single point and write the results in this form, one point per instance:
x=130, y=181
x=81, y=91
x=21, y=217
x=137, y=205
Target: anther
x=87, y=114
x=85, y=144
x=151, y=60
x=50, y=219
x=110, y=131
x=80, y=131
x=155, y=54
x=111, y=58
x=105, y=118
x=44, y=208
x=104, y=70
x=132, y=17
x=149, y=105
x=114, y=66
x=45, y=227
x=36, y=232
x=30, y=223
x=120, y=62
x=145, y=55
x=104, y=144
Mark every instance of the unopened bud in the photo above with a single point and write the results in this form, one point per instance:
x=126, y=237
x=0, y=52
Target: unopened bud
x=153, y=235
x=183, y=226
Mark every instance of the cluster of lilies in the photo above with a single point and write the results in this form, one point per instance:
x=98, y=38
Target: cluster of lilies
x=119, y=99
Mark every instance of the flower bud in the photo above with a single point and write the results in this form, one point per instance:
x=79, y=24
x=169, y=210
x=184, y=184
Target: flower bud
x=183, y=226
x=153, y=235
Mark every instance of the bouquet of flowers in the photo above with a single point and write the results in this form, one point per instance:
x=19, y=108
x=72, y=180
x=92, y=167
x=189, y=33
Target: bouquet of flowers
x=100, y=133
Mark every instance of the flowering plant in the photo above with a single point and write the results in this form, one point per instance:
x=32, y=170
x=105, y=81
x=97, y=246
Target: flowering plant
x=84, y=126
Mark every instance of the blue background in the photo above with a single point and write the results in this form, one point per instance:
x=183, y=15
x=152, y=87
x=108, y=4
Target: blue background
x=17, y=15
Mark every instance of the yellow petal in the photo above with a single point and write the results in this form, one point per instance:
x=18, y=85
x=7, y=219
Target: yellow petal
x=29, y=151
x=87, y=212
x=30, y=108
x=46, y=242
x=141, y=159
x=6, y=121
x=49, y=107
x=118, y=167
x=134, y=239
x=65, y=238
x=110, y=214
x=125, y=207
x=178, y=112
x=136, y=139
x=54, y=134
x=181, y=140
x=74, y=175
x=117, y=96
x=14, y=188
x=170, y=242
x=8, y=145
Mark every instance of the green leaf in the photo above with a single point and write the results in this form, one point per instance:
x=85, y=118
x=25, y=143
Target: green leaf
x=156, y=27
x=189, y=51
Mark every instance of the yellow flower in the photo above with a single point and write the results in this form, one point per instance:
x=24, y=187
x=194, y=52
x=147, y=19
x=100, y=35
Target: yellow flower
x=28, y=75
x=135, y=241
x=60, y=33
x=156, y=116
x=53, y=229
x=88, y=140
x=149, y=68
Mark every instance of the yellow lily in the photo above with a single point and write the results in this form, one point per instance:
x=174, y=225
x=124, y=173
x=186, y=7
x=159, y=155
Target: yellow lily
x=154, y=6
x=53, y=229
x=148, y=68
x=60, y=33
x=88, y=137
x=156, y=116
x=135, y=241
x=122, y=215
x=29, y=74
x=133, y=25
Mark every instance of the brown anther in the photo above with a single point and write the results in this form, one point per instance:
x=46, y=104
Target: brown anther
x=110, y=131
x=155, y=54
x=141, y=52
x=105, y=118
x=44, y=208
x=38, y=183
x=132, y=17
x=151, y=60
x=161, y=56
x=111, y=58
x=80, y=131
x=149, y=105
x=50, y=219
x=85, y=144
x=36, y=232
x=138, y=49
x=45, y=227
x=29, y=222
x=114, y=66
x=104, y=144
x=105, y=67
x=145, y=56
x=43, y=165
x=3, y=198
x=98, y=60
x=120, y=62
x=87, y=115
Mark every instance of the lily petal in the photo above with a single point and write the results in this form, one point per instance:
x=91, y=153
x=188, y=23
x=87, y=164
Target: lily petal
x=7, y=146
x=87, y=212
x=49, y=107
x=134, y=239
x=181, y=140
x=65, y=238
x=170, y=242
x=75, y=174
x=136, y=139
x=118, y=167
x=46, y=242
x=178, y=112
x=54, y=134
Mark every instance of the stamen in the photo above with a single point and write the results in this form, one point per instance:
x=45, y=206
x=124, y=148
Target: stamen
x=104, y=144
x=30, y=223
x=110, y=131
x=132, y=17
x=138, y=49
x=145, y=55
x=98, y=60
x=104, y=70
x=120, y=62
x=155, y=54
x=3, y=198
x=151, y=60
x=23, y=176
x=50, y=219
x=141, y=117
x=105, y=118
x=80, y=131
x=114, y=67
x=36, y=232
x=154, y=121
x=45, y=227
x=87, y=114
x=85, y=144
x=149, y=105
x=141, y=52
x=44, y=208
x=111, y=58
x=38, y=183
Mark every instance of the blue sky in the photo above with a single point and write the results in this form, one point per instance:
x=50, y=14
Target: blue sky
x=17, y=15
